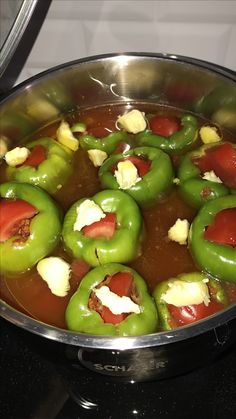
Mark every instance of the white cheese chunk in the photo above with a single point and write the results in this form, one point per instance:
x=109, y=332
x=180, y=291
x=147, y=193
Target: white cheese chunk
x=88, y=213
x=126, y=174
x=16, y=156
x=115, y=303
x=133, y=121
x=209, y=135
x=66, y=137
x=97, y=157
x=179, y=231
x=56, y=272
x=211, y=176
x=181, y=293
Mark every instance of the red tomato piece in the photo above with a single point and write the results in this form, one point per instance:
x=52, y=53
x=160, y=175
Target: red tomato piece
x=109, y=317
x=103, y=228
x=223, y=228
x=190, y=314
x=222, y=160
x=121, y=284
x=164, y=125
x=36, y=157
x=12, y=213
x=142, y=165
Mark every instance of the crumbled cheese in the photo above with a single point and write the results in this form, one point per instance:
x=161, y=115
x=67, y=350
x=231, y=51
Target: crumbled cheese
x=56, y=272
x=126, y=175
x=133, y=121
x=211, y=176
x=176, y=181
x=97, y=157
x=209, y=135
x=16, y=156
x=179, y=231
x=3, y=146
x=66, y=137
x=88, y=213
x=181, y=293
x=115, y=303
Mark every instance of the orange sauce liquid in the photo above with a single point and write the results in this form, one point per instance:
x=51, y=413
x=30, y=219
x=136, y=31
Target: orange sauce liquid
x=160, y=258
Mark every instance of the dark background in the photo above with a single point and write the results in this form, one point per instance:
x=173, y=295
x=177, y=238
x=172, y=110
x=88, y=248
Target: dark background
x=35, y=387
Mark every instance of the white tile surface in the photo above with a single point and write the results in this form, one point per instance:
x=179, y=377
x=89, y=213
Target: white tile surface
x=204, y=29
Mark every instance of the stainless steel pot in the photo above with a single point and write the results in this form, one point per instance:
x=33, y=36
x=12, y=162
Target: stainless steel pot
x=186, y=83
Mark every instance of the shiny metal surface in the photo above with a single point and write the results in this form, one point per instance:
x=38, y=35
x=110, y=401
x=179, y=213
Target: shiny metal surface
x=182, y=82
x=14, y=36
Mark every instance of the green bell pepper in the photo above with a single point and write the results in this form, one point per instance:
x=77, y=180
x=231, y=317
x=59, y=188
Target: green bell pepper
x=152, y=186
x=195, y=190
x=52, y=173
x=18, y=255
x=124, y=244
x=216, y=292
x=107, y=144
x=177, y=142
x=219, y=260
x=80, y=318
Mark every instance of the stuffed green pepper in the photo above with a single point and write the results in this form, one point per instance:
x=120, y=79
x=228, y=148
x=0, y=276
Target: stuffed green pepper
x=30, y=225
x=145, y=173
x=208, y=173
x=171, y=135
x=112, y=299
x=104, y=228
x=47, y=164
x=188, y=298
x=212, y=238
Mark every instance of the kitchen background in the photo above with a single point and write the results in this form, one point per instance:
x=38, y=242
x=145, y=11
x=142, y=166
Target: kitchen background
x=78, y=28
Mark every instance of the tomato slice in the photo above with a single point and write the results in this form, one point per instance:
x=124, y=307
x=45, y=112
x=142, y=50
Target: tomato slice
x=164, y=125
x=103, y=228
x=12, y=213
x=222, y=160
x=223, y=228
x=189, y=314
x=36, y=157
x=121, y=284
x=142, y=165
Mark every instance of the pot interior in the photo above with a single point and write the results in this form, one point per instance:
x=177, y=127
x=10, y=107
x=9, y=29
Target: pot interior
x=184, y=83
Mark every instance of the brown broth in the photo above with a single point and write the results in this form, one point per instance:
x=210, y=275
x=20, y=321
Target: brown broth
x=160, y=258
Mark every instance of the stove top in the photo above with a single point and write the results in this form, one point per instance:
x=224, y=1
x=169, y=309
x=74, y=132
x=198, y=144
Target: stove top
x=34, y=387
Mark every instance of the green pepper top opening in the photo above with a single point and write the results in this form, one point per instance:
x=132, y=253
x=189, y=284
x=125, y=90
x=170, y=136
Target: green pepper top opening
x=152, y=174
x=169, y=134
x=208, y=173
x=48, y=165
x=188, y=298
x=112, y=236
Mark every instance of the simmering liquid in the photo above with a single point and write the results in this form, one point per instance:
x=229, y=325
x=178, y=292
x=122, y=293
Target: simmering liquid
x=159, y=259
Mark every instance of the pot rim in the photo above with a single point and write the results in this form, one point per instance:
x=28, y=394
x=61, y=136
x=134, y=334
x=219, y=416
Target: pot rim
x=110, y=342
x=115, y=342
x=215, y=68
